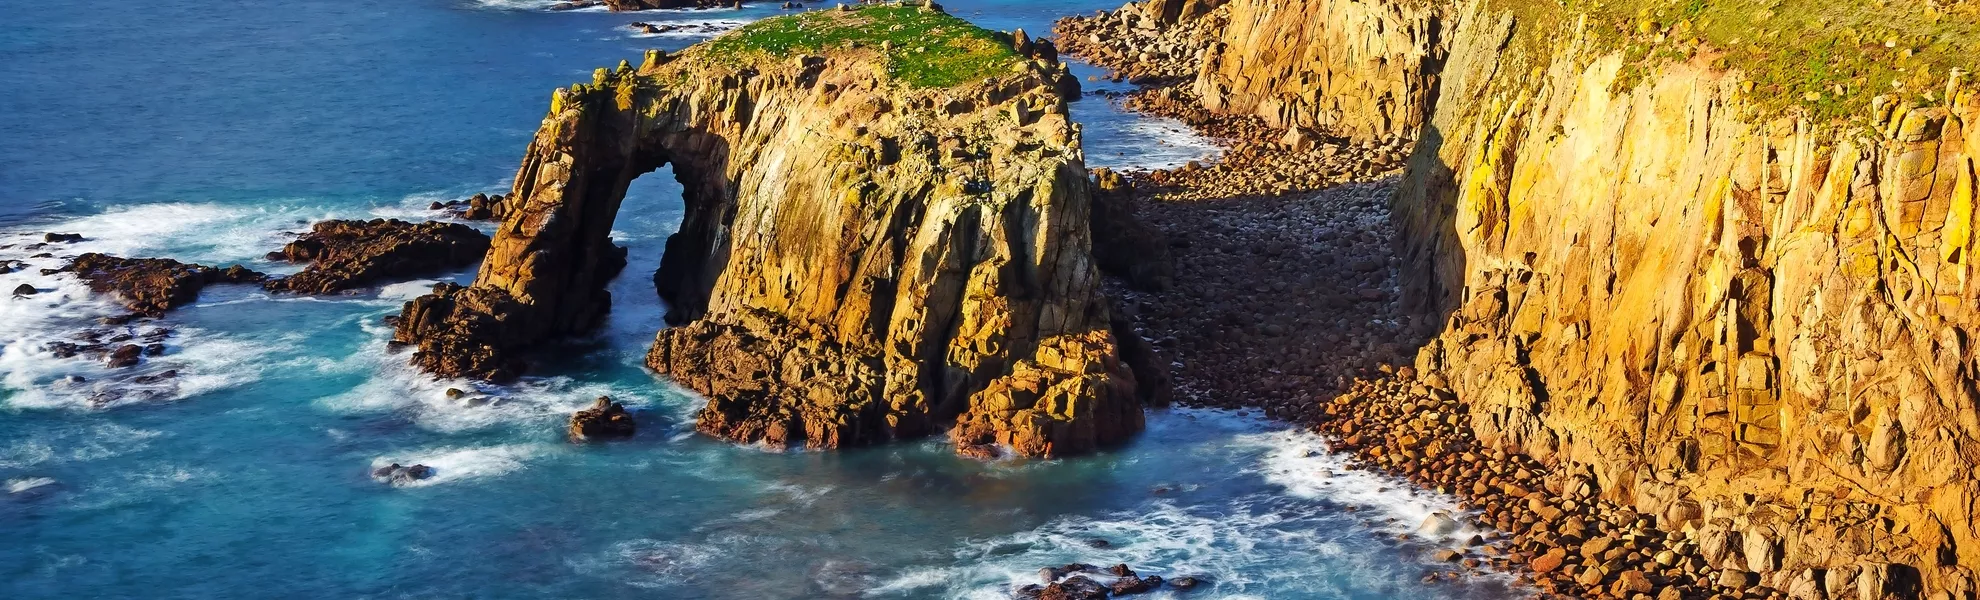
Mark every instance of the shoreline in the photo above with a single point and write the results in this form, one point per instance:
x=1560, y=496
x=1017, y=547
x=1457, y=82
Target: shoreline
x=1551, y=531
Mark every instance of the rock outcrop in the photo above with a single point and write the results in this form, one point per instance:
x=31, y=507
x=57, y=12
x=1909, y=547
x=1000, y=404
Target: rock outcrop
x=1360, y=69
x=348, y=254
x=880, y=242
x=603, y=420
x=480, y=207
x=151, y=286
x=1759, y=330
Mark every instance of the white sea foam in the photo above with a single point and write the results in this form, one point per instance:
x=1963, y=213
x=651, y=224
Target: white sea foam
x=801, y=495
x=649, y=563
x=545, y=5
x=1148, y=142
x=145, y=483
x=692, y=28
x=16, y=486
x=1291, y=536
x=1301, y=462
x=195, y=232
x=396, y=386
x=203, y=362
x=89, y=443
x=406, y=290
x=456, y=464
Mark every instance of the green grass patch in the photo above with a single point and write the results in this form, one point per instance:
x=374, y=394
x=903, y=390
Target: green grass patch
x=1828, y=57
x=922, y=48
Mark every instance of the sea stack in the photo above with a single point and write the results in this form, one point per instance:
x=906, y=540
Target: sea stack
x=886, y=236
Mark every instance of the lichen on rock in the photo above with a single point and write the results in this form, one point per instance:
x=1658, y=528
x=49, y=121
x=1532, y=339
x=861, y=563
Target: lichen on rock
x=876, y=246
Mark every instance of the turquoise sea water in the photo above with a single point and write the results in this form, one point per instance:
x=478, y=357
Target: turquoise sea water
x=210, y=132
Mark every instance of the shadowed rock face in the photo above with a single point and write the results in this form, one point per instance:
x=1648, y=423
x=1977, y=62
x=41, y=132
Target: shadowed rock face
x=859, y=261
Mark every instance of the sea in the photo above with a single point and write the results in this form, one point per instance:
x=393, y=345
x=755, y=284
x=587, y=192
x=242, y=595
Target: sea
x=214, y=132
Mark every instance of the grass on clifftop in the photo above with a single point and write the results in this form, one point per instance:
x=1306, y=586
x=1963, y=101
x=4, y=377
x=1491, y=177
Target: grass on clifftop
x=922, y=48
x=1830, y=57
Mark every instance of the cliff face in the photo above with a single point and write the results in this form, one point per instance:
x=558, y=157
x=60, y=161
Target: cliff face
x=1758, y=329
x=862, y=259
x=1355, y=68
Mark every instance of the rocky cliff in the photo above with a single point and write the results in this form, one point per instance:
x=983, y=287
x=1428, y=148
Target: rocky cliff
x=1712, y=259
x=886, y=236
x=1758, y=327
x=1365, y=70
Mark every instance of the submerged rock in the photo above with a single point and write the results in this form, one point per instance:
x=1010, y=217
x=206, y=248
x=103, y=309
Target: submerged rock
x=605, y=419
x=396, y=474
x=151, y=286
x=349, y=254
x=863, y=258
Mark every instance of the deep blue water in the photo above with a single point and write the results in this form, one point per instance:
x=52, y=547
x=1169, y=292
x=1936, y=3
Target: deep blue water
x=209, y=132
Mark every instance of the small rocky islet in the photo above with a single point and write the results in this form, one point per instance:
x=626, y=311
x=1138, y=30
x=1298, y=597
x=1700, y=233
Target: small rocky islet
x=1771, y=397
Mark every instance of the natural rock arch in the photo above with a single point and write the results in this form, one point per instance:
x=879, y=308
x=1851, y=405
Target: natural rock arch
x=860, y=260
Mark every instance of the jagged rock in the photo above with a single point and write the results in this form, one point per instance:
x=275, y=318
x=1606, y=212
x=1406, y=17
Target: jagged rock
x=395, y=474
x=343, y=254
x=463, y=332
x=605, y=419
x=1074, y=588
x=126, y=355
x=863, y=259
x=480, y=207
x=151, y=286
x=1132, y=584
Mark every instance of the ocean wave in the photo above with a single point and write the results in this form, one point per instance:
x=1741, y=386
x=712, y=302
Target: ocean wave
x=546, y=5
x=206, y=233
x=93, y=442
x=689, y=28
x=1301, y=462
x=456, y=464
x=1148, y=142
x=649, y=563
x=145, y=483
x=1276, y=528
x=36, y=378
x=460, y=405
x=24, y=484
